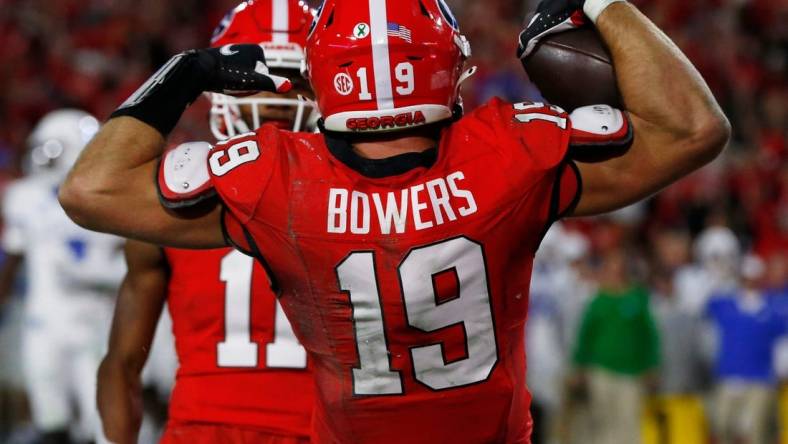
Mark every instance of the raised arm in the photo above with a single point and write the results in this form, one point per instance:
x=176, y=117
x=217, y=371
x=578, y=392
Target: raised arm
x=677, y=123
x=140, y=302
x=112, y=187
x=678, y=126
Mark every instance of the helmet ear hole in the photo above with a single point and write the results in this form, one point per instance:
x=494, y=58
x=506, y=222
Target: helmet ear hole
x=305, y=70
x=424, y=10
x=330, y=20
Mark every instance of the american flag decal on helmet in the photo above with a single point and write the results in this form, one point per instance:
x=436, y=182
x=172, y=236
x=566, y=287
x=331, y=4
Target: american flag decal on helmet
x=396, y=30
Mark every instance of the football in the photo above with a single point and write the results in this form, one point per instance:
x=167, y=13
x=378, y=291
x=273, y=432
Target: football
x=574, y=69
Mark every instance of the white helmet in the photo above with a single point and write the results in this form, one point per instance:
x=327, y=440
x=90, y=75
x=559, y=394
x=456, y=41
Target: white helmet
x=58, y=139
x=718, y=250
x=562, y=246
x=753, y=267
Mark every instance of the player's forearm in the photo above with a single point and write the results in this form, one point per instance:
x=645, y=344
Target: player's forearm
x=659, y=85
x=111, y=183
x=137, y=311
x=678, y=126
x=112, y=189
x=105, y=179
x=119, y=396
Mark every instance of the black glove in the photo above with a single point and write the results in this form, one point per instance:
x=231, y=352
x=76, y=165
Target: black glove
x=551, y=16
x=238, y=70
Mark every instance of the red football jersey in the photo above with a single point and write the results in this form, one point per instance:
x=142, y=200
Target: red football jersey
x=407, y=278
x=240, y=363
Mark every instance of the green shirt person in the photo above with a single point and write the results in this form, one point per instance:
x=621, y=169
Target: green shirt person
x=618, y=333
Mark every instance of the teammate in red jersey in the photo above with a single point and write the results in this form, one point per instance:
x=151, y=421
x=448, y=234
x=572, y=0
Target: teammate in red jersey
x=243, y=375
x=401, y=240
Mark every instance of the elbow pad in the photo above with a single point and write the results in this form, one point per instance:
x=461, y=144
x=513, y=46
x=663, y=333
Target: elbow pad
x=183, y=179
x=599, y=131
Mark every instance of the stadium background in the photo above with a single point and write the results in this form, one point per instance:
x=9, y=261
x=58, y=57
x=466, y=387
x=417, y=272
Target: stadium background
x=91, y=54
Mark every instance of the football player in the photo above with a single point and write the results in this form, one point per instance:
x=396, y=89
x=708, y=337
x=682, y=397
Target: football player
x=400, y=240
x=71, y=274
x=716, y=269
x=243, y=375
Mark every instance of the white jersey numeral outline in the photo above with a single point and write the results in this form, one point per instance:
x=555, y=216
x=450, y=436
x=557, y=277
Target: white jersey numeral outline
x=237, y=349
x=471, y=309
x=530, y=115
x=236, y=155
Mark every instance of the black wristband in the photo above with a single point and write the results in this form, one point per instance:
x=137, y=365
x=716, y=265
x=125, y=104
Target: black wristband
x=161, y=101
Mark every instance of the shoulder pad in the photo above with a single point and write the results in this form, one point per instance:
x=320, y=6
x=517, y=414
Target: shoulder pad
x=600, y=125
x=183, y=178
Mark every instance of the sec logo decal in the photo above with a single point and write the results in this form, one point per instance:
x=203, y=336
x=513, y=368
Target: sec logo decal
x=343, y=84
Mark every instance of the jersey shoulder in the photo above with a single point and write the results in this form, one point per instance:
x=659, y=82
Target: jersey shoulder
x=22, y=196
x=245, y=168
x=546, y=132
x=192, y=173
x=16, y=211
x=532, y=135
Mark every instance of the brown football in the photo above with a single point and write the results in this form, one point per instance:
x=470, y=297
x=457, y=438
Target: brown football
x=574, y=69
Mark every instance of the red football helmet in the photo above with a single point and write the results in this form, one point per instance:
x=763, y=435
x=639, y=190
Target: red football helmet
x=383, y=65
x=280, y=27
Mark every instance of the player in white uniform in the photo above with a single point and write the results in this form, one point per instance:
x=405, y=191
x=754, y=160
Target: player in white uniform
x=716, y=268
x=71, y=275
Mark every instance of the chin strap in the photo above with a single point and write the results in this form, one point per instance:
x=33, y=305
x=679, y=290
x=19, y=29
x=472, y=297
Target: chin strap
x=465, y=76
x=309, y=123
x=470, y=72
x=458, y=110
x=308, y=101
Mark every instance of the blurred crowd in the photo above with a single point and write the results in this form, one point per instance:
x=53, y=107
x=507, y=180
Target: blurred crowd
x=91, y=54
x=648, y=301
x=675, y=341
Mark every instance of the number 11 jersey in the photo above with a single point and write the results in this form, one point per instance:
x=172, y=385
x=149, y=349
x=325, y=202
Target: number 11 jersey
x=239, y=362
x=406, y=279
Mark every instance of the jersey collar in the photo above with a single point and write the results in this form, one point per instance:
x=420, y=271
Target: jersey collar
x=378, y=168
